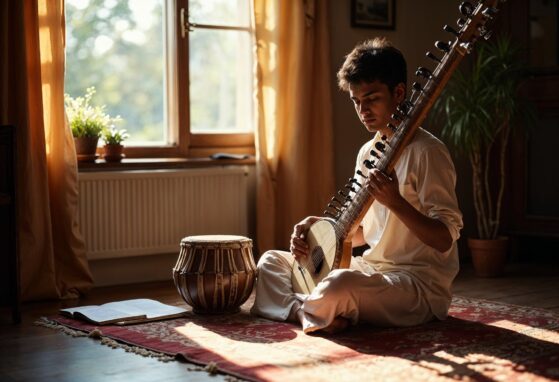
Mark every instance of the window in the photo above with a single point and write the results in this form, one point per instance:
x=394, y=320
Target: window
x=179, y=73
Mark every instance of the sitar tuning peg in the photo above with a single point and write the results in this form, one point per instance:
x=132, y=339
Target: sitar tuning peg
x=489, y=13
x=358, y=172
x=353, y=180
x=397, y=117
x=465, y=48
x=424, y=72
x=417, y=87
x=466, y=8
x=484, y=32
x=461, y=22
x=369, y=164
x=349, y=186
x=334, y=207
x=405, y=107
x=345, y=197
x=450, y=29
x=433, y=57
x=380, y=146
x=330, y=214
x=442, y=46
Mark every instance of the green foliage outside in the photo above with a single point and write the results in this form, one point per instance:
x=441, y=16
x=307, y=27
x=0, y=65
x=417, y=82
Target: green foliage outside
x=220, y=69
x=117, y=47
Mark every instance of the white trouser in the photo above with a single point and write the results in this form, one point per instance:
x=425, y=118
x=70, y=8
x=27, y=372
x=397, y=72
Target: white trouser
x=359, y=294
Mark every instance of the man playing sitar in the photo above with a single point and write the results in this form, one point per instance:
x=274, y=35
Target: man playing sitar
x=404, y=277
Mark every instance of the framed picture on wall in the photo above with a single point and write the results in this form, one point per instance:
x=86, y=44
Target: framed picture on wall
x=379, y=14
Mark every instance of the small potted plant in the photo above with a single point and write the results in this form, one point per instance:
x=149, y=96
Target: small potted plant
x=113, y=144
x=87, y=123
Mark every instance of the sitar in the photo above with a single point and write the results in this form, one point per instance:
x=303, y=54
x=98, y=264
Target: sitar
x=329, y=239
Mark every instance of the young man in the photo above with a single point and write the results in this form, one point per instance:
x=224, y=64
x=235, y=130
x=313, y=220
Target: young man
x=405, y=277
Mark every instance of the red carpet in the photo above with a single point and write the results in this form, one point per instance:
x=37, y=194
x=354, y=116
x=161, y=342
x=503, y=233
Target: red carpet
x=481, y=341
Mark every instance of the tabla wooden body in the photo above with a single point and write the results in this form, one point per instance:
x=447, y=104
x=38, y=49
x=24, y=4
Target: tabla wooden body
x=215, y=273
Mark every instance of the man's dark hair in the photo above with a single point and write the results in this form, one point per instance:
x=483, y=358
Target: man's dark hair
x=373, y=60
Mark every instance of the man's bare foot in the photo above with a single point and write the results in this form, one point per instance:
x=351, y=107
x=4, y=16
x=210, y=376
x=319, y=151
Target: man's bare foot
x=338, y=325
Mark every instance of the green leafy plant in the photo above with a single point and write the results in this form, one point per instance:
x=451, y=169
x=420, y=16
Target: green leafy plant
x=477, y=110
x=112, y=136
x=85, y=119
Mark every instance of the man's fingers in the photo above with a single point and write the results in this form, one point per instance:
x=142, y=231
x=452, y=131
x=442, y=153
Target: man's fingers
x=299, y=242
x=299, y=230
x=380, y=176
x=298, y=253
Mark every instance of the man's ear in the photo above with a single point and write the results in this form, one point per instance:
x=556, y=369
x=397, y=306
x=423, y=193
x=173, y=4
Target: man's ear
x=400, y=92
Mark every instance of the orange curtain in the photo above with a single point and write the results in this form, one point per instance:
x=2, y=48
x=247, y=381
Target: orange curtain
x=52, y=252
x=295, y=171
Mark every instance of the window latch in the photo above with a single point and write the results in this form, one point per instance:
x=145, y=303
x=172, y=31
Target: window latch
x=186, y=26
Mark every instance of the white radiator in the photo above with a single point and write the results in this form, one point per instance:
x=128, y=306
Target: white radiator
x=131, y=213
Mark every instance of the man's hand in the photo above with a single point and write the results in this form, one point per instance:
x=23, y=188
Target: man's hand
x=385, y=188
x=430, y=231
x=298, y=245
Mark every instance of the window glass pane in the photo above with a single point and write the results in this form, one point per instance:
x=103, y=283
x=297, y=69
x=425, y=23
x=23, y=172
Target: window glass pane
x=220, y=81
x=219, y=12
x=118, y=47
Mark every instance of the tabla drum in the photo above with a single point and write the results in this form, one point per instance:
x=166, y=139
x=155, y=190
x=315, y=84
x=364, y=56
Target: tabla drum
x=215, y=273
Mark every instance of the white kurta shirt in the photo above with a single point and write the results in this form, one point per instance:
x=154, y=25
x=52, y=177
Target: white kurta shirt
x=427, y=180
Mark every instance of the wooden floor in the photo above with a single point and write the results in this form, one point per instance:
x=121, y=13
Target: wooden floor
x=31, y=353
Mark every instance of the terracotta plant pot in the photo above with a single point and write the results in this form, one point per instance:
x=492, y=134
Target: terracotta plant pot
x=85, y=148
x=113, y=153
x=489, y=256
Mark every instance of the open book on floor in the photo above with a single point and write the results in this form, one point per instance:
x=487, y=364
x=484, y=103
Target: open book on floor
x=124, y=312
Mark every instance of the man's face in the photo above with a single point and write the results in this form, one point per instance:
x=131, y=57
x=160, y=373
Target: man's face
x=374, y=104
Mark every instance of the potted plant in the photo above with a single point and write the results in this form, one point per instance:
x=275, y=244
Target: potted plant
x=113, y=144
x=87, y=123
x=479, y=109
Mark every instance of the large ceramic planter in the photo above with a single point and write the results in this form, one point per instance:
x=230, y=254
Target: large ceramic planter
x=489, y=256
x=86, y=148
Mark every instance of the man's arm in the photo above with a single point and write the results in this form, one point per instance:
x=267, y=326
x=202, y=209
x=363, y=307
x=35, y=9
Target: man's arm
x=430, y=231
x=358, y=239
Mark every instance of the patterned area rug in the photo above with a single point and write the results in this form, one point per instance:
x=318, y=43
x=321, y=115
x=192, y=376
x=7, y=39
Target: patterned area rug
x=480, y=341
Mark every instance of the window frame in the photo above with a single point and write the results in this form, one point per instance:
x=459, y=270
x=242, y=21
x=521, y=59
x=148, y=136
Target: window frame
x=188, y=144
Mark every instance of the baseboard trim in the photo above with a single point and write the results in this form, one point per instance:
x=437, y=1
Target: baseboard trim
x=132, y=270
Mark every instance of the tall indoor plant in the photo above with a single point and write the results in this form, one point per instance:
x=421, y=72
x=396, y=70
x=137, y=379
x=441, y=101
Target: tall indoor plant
x=478, y=111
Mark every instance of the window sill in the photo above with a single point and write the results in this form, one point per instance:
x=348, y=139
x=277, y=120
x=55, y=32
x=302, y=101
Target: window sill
x=160, y=163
